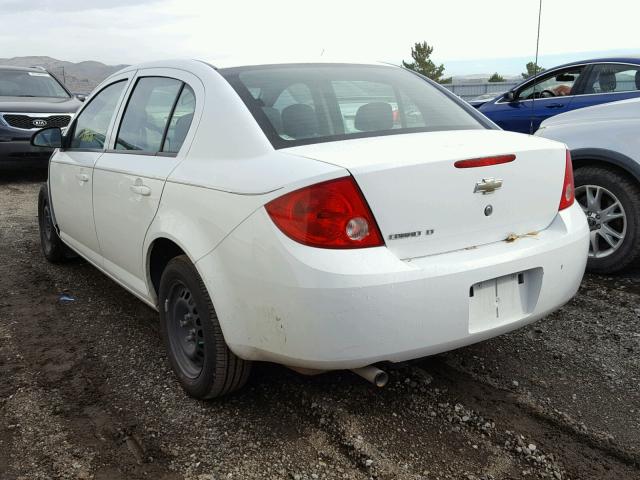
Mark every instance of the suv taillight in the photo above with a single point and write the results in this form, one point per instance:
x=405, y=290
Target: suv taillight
x=568, y=190
x=332, y=214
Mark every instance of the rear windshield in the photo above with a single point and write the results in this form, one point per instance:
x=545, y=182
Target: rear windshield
x=22, y=83
x=303, y=104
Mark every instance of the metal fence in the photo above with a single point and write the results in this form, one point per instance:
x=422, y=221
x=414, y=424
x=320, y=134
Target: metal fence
x=472, y=90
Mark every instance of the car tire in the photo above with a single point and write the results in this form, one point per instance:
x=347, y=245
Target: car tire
x=54, y=250
x=627, y=192
x=191, y=332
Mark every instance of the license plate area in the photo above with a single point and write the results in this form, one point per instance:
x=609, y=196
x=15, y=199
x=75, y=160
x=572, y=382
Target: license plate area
x=503, y=300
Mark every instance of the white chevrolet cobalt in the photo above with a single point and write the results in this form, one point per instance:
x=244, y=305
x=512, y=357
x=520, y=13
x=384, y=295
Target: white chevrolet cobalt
x=318, y=215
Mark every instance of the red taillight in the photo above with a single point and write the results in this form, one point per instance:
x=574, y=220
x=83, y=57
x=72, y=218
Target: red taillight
x=331, y=214
x=485, y=161
x=568, y=189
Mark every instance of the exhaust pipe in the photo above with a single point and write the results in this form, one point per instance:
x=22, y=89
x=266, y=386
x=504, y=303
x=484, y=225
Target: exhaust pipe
x=373, y=375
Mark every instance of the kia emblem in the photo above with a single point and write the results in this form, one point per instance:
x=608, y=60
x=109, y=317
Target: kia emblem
x=39, y=122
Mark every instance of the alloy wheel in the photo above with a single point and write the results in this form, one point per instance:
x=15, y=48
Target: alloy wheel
x=606, y=217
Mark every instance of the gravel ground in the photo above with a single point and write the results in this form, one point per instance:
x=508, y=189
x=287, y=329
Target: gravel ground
x=86, y=392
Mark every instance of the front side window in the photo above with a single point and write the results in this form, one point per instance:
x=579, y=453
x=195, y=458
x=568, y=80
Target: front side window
x=147, y=113
x=90, y=128
x=610, y=78
x=22, y=83
x=557, y=84
x=302, y=104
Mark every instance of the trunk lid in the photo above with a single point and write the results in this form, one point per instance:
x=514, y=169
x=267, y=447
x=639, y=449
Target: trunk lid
x=424, y=205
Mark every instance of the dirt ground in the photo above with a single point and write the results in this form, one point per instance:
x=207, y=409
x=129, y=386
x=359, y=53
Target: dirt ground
x=86, y=391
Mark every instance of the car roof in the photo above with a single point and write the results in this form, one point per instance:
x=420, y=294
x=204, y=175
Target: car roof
x=23, y=69
x=233, y=62
x=635, y=59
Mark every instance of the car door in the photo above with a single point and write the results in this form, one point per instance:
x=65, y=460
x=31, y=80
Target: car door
x=71, y=169
x=544, y=97
x=609, y=82
x=150, y=139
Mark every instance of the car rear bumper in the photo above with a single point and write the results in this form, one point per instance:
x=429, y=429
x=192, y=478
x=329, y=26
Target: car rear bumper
x=331, y=309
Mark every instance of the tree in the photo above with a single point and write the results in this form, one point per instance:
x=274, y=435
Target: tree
x=496, y=77
x=532, y=69
x=422, y=63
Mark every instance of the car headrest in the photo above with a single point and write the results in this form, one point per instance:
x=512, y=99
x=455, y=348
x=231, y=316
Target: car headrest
x=607, y=81
x=374, y=116
x=299, y=121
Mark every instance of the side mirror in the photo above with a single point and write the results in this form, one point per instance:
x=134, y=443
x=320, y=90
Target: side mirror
x=48, y=138
x=510, y=96
x=81, y=97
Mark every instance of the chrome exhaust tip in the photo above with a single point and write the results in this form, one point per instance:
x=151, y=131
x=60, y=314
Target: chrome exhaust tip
x=372, y=374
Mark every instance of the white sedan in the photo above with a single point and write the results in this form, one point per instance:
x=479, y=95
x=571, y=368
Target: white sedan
x=264, y=225
x=605, y=146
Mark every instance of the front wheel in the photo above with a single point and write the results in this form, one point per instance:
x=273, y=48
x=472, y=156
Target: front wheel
x=611, y=202
x=189, y=326
x=52, y=247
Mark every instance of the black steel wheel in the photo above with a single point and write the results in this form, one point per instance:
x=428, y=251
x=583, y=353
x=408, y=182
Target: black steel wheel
x=186, y=335
x=52, y=247
x=195, y=345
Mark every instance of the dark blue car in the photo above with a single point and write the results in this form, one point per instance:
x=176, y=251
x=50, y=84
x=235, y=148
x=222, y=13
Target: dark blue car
x=564, y=88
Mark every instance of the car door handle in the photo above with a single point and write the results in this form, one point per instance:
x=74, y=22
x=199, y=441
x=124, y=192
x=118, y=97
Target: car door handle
x=83, y=177
x=555, y=105
x=141, y=190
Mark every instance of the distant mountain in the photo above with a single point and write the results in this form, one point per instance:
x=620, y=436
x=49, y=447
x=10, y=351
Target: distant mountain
x=81, y=77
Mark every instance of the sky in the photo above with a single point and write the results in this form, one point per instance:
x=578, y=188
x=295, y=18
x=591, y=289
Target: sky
x=468, y=36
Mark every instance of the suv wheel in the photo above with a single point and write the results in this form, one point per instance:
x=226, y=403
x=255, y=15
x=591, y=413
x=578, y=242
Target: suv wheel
x=611, y=202
x=189, y=326
x=52, y=247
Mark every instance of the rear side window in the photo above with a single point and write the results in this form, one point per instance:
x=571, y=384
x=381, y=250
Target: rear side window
x=90, y=128
x=610, y=78
x=180, y=121
x=310, y=103
x=147, y=114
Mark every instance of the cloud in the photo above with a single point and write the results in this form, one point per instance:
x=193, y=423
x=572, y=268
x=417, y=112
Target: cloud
x=17, y=6
x=132, y=31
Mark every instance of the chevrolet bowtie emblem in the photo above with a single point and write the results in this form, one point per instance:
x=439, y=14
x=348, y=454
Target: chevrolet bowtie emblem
x=487, y=185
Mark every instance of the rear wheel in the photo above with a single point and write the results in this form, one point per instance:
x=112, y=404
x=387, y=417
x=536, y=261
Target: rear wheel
x=196, y=348
x=611, y=202
x=52, y=247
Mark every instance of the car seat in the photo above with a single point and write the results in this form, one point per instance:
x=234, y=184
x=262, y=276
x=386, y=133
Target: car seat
x=374, y=116
x=299, y=121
